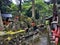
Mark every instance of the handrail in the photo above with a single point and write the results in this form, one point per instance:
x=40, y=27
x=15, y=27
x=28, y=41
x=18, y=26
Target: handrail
x=3, y=33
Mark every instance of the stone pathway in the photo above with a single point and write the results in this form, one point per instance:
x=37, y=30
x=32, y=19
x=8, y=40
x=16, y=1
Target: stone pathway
x=43, y=41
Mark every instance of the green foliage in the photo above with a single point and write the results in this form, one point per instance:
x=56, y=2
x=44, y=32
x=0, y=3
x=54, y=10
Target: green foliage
x=13, y=7
x=42, y=8
x=26, y=7
x=7, y=7
x=40, y=5
x=4, y=6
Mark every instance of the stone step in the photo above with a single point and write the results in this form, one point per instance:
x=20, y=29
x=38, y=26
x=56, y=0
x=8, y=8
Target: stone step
x=51, y=36
x=52, y=41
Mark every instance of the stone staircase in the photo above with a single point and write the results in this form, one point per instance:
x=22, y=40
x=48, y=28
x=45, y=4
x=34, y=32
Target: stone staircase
x=51, y=39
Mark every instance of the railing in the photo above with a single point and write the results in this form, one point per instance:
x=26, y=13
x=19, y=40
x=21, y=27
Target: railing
x=17, y=38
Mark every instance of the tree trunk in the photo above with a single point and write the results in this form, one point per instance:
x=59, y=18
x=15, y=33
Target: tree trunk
x=20, y=7
x=59, y=19
x=59, y=15
x=33, y=9
x=1, y=23
x=54, y=7
x=55, y=10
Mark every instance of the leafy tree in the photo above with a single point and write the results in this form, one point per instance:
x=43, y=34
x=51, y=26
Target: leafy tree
x=40, y=6
x=8, y=7
x=4, y=5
